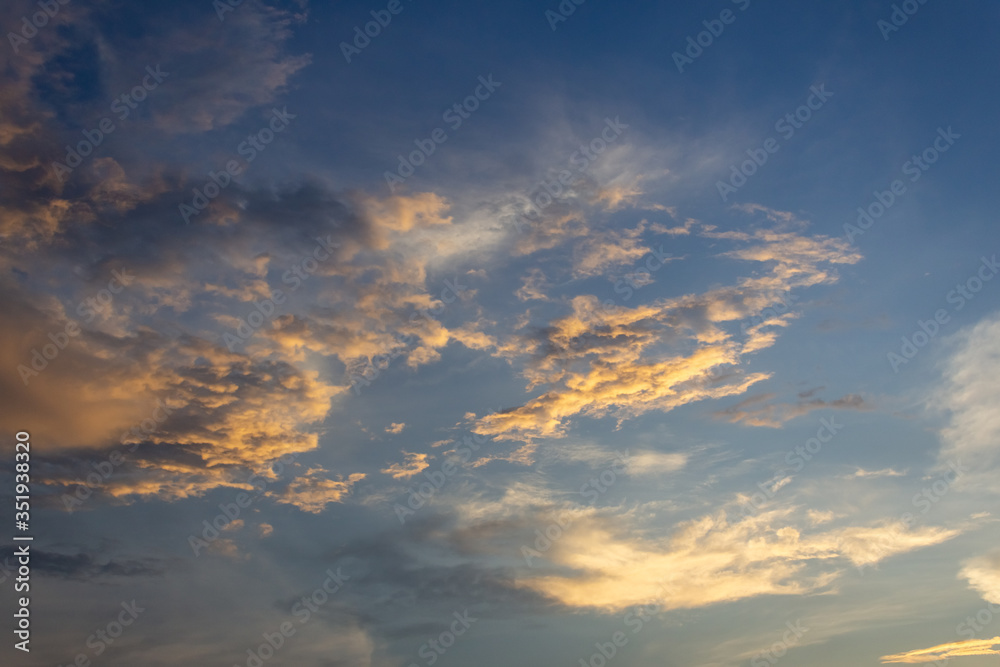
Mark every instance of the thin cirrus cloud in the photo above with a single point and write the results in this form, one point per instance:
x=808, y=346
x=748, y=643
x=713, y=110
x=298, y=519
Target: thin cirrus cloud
x=964, y=649
x=968, y=392
x=759, y=411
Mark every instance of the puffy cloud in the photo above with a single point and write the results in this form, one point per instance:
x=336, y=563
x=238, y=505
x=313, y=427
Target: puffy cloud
x=196, y=415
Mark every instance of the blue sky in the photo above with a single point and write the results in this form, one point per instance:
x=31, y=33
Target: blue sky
x=560, y=389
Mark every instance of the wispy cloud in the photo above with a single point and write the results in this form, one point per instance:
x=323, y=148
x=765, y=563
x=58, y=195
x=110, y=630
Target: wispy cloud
x=963, y=649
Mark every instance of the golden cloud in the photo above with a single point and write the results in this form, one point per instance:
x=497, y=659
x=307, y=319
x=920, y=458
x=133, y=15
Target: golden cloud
x=708, y=560
x=963, y=649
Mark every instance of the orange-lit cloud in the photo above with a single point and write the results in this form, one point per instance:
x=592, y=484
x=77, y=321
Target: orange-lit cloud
x=313, y=491
x=963, y=649
x=626, y=361
x=415, y=464
x=603, y=565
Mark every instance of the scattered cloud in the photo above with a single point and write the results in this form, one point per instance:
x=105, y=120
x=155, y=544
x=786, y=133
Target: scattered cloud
x=626, y=361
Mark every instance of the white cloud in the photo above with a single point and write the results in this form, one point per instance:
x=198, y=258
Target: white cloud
x=969, y=392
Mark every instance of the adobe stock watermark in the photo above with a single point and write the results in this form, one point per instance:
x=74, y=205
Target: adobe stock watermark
x=266, y=310
x=454, y=116
x=222, y=7
x=778, y=649
x=772, y=312
x=914, y=168
x=545, y=193
x=123, y=105
x=638, y=277
x=713, y=30
x=107, y=467
x=796, y=459
x=786, y=126
x=231, y=512
x=30, y=28
x=635, y=619
x=362, y=38
x=249, y=149
x=103, y=638
x=641, y=274
x=592, y=490
x=366, y=371
x=928, y=330
x=304, y=608
x=924, y=500
x=88, y=310
x=899, y=17
x=973, y=624
x=436, y=479
x=564, y=10
x=436, y=647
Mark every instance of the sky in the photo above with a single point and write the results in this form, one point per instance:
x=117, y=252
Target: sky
x=398, y=334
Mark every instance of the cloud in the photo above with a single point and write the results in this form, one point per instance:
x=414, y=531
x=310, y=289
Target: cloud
x=969, y=392
x=395, y=428
x=624, y=362
x=602, y=564
x=414, y=465
x=600, y=252
x=68, y=75
x=756, y=411
x=313, y=491
x=649, y=462
x=84, y=566
x=233, y=409
x=533, y=286
x=963, y=649
x=983, y=575
x=861, y=473
x=218, y=71
x=771, y=214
